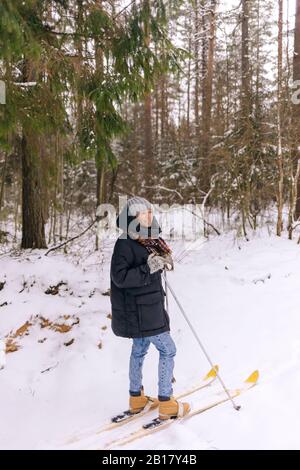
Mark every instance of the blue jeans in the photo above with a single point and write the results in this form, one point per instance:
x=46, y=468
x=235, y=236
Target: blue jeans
x=167, y=350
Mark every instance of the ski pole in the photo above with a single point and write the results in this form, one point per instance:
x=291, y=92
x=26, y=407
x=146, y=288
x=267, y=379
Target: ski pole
x=236, y=407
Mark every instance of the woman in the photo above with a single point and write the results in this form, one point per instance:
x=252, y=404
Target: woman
x=137, y=299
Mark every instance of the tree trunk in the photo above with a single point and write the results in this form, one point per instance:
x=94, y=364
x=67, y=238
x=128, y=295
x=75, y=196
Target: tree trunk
x=245, y=95
x=148, y=174
x=3, y=179
x=33, y=220
x=296, y=107
x=33, y=224
x=100, y=160
x=207, y=93
x=279, y=144
x=188, y=112
x=197, y=80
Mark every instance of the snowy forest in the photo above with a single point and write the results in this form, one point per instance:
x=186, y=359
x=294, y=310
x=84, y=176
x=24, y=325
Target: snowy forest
x=193, y=105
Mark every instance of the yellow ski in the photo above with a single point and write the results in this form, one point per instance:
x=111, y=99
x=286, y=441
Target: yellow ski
x=157, y=424
x=128, y=417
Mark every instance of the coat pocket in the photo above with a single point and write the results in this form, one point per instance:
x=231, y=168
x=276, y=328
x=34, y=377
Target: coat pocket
x=151, y=311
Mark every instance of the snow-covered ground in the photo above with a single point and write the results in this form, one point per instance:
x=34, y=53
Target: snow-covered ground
x=69, y=373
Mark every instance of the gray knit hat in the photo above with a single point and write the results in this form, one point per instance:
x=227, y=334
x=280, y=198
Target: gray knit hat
x=138, y=204
x=128, y=214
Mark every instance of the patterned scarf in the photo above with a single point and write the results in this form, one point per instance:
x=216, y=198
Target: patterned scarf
x=155, y=245
x=159, y=247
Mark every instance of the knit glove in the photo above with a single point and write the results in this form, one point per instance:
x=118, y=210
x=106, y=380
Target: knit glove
x=155, y=263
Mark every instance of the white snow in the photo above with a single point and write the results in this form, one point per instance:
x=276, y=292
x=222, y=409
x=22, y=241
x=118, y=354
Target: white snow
x=243, y=299
x=2, y=355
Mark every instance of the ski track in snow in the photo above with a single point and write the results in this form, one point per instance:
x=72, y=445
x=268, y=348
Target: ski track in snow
x=243, y=299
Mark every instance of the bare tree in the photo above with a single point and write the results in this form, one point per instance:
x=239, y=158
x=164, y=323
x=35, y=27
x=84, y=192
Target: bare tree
x=279, y=142
x=296, y=107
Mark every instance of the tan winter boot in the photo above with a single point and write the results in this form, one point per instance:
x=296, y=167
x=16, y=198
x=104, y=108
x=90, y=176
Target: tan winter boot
x=173, y=409
x=137, y=404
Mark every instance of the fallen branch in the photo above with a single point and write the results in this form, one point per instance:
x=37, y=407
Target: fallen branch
x=49, y=368
x=72, y=239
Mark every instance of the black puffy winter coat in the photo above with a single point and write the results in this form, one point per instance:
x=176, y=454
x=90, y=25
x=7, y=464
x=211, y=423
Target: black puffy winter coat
x=137, y=297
